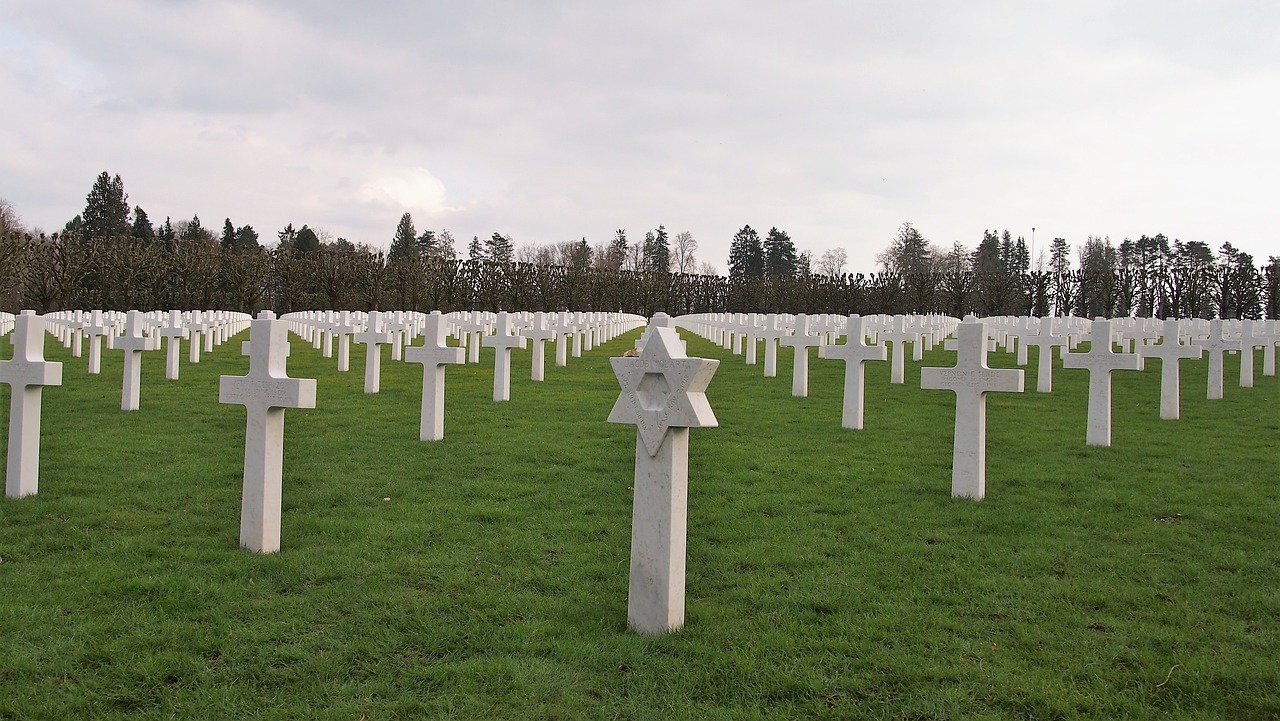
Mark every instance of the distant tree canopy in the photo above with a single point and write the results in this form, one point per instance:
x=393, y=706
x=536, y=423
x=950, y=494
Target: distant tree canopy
x=112, y=258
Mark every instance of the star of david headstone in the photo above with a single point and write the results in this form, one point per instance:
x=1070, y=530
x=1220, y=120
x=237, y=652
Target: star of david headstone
x=663, y=388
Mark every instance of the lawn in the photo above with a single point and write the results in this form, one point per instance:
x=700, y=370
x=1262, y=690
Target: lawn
x=485, y=575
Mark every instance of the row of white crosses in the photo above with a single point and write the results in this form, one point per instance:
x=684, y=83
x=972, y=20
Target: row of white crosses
x=27, y=373
x=204, y=330
x=971, y=379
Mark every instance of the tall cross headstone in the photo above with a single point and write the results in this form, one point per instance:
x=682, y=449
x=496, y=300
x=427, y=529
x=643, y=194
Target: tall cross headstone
x=97, y=329
x=1100, y=360
x=196, y=331
x=26, y=374
x=663, y=395
x=133, y=343
x=373, y=337
x=771, y=334
x=502, y=342
x=539, y=334
x=433, y=354
x=752, y=332
x=899, y=336
x=802, y=340
x=564, y=332
x=265, y=393
x=854, y=353
x=1045, y=341
x=971, y=380
x=1170, y=352
x=345, y=328
x=1252, y=335
x=173, y=335
x=1215, y=345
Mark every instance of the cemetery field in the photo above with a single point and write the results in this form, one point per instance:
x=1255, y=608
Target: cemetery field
x=830, y=574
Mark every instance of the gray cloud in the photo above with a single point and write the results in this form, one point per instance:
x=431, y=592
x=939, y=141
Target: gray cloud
x=560, y=120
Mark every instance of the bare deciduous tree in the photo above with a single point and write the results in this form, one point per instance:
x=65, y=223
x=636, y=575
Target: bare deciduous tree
x=682, y=250
x=832, y=262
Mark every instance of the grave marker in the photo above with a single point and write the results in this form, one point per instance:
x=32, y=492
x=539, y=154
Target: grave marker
x=1170, y=352
x=502, y=342
x=971, y=379
x=98, y=328
x=133, y=343
x=1100, y=360
x=26, y=374
x=539, y=334
x=771, y=334
x=173, y=334
x=265, y=392
x=373, y=338
x=1215, y=345
x=899, y=336
x=433, y=354
x=1045, y=341
x=802, y=341
x=663, y=395
x=1252, y=335
x=855, y=352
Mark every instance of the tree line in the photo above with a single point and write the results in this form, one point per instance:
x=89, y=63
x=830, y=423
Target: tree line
x=110, y=257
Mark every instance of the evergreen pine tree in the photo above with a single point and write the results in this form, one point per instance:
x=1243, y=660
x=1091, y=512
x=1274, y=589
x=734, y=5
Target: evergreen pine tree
x=106, y=210
x=246, y=238
x=779, y=254
x=405, y=242
x=306, y=240
x=616, y=255
x=228, y=239
x=166, y=235
x=746, y=254
x=657, y=251
x=426, y=243
x=499, y=248
x=194, y=231
x=142, y=229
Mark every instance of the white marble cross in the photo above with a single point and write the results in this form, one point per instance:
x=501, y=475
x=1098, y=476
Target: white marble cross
x=855, y=352
x=564, y=334
x=802, y=340
x=899, y=336
x=173, y=334
x=1170, y=352
x=539, y=334
x=1045, y=340
x=265, y=393
x=663, y=395
x=196, y=331
x=752, y=332
x=1100, y=360
x=971, y=379
x=373, y=337
x=502, y=342
x=771, y=334
x=433, y=354
x=133, y=343
x=1215, y=345
x=345, y=328
x=26, y=374
x=1252, y=334
x=96, y=330
x=1271, y=332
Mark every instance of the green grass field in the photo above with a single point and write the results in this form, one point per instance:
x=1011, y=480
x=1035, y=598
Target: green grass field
x=485, y=576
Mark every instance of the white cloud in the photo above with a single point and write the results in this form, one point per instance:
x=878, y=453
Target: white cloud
x=567, y=119
x=415, y=190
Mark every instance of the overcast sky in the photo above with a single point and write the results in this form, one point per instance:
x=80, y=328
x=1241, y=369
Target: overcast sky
x=551, y=121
